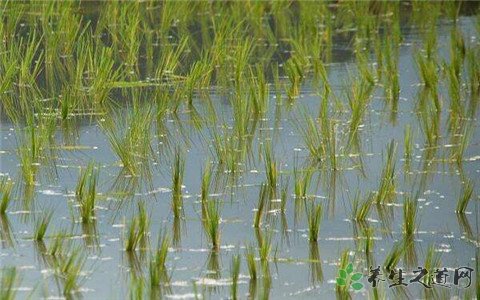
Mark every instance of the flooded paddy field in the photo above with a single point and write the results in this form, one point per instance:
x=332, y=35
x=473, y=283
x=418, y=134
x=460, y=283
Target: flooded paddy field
x=243, y=150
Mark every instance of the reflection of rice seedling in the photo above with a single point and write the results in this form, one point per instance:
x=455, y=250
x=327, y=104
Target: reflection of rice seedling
x=283, y=199
x=205, y=188
x=314, y=218
x=157, y=268
x=41, y=227
x=177, y=179
x=86, y=192
x=235, y=271
x=361, y=210
x=386, y=189
x=432, y=263
x=8, y=283
x=251, y=263
x=409, y=217
x=69, y=270
x=212, y=223
x=465, y=196
x=262, y=199
x=6, y=186
x=265, y=248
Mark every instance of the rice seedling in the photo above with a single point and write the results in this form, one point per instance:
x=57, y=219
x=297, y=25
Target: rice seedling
x=235, y=271
x=262, y=199
x=178, y=170
x=302, y=184
x=432, y=262
x=408, y=145
x=361, y=209
x=410, y=217
x=212, y=223
x=251, y=262
x=41, y=226
x=9, y=282
x=386, y=189
x=271, y=168
x=138, y=230
x=314, y=218
x=465, y=196
x=6, y=186
x=86, y=193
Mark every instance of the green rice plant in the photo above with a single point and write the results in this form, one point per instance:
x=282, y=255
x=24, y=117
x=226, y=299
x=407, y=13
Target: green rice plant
x=358, y=100
x=410, y=217
x=429, y=75
x=6, y=186
x=314, y=218
x=157, y=268
x=41, y=227
x=259, y=91
x=465, y=196
x=178, y=171
x=271, y=168
x=205, y=188
x=393, y=257
x=262, y=200
x=86, y=192
x=138, y=230
x=235, y=271
x=386, y=189
x=130, y=137
x=312, y=138
x=361, y=209
x=9, y=282
x=251, y=262
x=302, y=184
x=408, y=144
x=212, y=223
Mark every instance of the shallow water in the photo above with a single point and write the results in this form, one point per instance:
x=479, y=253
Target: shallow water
x=108, y=270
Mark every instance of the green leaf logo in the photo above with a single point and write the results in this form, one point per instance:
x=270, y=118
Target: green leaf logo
x=347, y=276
